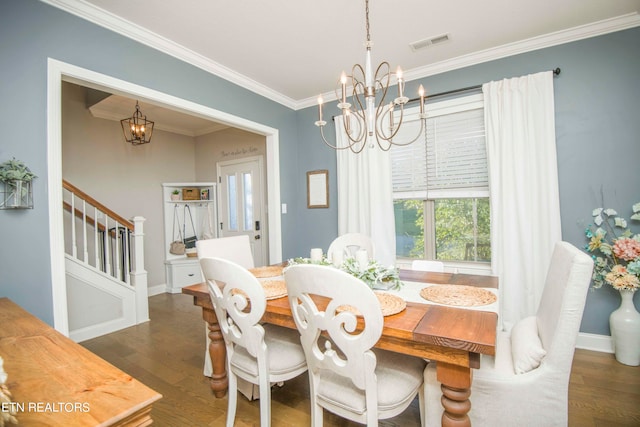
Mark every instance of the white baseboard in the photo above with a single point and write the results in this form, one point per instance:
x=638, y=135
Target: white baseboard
x=156, y=290
x=601, y=343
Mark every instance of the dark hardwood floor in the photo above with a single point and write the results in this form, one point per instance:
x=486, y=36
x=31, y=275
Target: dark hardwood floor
x=167, y=355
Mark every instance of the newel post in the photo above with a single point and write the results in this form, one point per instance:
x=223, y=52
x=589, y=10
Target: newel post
x=138, y=273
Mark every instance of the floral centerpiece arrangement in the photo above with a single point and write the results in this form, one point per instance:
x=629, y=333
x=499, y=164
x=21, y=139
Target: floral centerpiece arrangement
x=375, y=275
x=615, y=249
x=300, y=260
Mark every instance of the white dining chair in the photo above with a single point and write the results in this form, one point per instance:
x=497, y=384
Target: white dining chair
x=427, y=265
x=347, y=376
x=234, y=248
x=260, y=354
x=527, y=382
x=348, y=244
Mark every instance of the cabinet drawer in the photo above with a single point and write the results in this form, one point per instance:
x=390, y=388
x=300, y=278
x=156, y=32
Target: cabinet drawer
x=184, y=275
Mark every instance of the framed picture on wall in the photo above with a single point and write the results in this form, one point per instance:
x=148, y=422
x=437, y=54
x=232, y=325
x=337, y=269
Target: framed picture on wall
x=318, y=189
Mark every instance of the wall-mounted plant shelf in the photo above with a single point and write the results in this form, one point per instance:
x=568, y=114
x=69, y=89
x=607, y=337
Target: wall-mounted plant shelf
x=15, y=185
x=16, y=195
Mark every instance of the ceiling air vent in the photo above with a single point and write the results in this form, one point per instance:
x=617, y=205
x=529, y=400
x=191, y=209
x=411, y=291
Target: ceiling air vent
x=425, y=43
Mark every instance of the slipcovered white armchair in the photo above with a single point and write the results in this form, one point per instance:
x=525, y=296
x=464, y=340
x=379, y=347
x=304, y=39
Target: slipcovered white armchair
x=527, y=382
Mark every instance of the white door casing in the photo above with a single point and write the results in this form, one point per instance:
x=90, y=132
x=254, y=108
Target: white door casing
x=241, y=203
x=59, y=71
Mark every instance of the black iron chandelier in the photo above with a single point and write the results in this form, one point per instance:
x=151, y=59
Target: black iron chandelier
x=137, y=129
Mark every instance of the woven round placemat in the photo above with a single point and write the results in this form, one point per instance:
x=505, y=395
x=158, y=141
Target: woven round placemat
x=273, y=289
x=267, y=271
x=458, y=295
x=389, y=303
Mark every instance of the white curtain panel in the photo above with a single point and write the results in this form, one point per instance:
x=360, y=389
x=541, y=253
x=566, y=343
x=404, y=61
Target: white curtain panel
x=523, y=183
x=365, y=199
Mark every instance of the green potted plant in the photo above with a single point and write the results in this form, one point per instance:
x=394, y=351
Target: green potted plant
x=175, y=195
x=16, y=177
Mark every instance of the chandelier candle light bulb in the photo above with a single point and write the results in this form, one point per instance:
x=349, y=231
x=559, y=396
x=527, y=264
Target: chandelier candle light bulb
x=320, y=101
x=400, y=82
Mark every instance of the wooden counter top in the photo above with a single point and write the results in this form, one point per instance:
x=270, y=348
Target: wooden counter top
x=56, y=382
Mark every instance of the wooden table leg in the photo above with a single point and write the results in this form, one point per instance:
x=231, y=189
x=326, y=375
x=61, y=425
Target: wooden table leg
x=456, y=388
x=217, y=352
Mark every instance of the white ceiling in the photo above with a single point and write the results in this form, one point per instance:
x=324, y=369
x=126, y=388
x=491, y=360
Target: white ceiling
x=293, y=50
x=116, y=107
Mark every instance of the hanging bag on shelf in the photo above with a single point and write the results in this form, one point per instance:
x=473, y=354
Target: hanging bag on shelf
x=177, y=247
x=207, y=226
x=189, y=242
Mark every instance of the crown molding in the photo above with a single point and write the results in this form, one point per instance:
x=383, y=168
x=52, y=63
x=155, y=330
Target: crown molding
x=528, y=45
x=126, y=28
x=133, y=31
x=598, y=28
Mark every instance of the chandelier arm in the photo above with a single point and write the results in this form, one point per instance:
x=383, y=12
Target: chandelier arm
x=356, y=145
x=397, y=127
x=383, y=147
x=380, y=117
x=335, y=147
x=386, y=75
x=359, y=89
x=347, y=127
x=420, y=131
x=360, y=110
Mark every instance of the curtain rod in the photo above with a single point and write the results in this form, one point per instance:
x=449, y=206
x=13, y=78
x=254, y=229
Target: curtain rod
x=556, y=72
x=464, y=89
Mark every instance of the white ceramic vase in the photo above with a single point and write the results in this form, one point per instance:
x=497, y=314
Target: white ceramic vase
x=625, y=330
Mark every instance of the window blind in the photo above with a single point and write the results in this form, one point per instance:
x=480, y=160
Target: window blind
x=451, y=162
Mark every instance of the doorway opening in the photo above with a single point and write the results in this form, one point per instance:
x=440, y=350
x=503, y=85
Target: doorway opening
x=57, y=73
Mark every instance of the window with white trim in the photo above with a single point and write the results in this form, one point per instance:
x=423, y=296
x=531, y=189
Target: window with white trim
x=440, y=184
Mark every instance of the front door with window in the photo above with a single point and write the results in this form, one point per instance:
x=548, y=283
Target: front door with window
x=241, y=203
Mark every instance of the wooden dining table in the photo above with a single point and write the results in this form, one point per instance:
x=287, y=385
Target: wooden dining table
x=453, y=337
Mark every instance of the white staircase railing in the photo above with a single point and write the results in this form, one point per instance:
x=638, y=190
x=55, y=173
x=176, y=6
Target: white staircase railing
x=103, y=240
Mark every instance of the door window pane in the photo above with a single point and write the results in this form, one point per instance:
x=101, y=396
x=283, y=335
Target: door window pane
x=232, y=202
x=248, y=201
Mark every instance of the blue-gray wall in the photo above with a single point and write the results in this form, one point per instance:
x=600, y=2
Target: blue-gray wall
x=30, y=32
x=597, y=101
x=597, y=125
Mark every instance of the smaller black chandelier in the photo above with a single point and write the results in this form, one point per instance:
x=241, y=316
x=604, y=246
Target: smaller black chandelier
x=137, y=129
